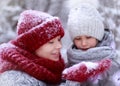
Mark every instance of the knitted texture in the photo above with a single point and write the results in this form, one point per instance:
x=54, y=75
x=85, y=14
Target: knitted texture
x=85, y=20
x=14, y=58
x=35, y=28
x=83, y=71
x=19, y=78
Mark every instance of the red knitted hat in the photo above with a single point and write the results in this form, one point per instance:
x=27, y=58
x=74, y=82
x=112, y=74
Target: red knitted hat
x=35, y=28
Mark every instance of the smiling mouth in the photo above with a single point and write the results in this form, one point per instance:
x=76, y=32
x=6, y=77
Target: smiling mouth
x=56, y=54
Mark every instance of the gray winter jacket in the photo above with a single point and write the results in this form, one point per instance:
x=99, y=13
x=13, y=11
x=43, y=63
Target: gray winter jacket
x=18, y=78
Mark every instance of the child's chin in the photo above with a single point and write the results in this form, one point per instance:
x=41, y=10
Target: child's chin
x=55, y=59
x=84, y=49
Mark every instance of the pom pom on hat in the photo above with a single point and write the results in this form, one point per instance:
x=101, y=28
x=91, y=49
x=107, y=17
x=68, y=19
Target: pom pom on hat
x=85, y=20
x=35, y=28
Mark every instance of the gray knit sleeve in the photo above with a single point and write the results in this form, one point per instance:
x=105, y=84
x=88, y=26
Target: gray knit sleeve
x=18, y=78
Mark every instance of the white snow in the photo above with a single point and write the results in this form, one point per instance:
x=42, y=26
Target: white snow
x=90, y=65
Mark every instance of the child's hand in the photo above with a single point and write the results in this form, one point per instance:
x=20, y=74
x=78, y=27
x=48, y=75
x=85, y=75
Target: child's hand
x=76, y=73
x=84, y=70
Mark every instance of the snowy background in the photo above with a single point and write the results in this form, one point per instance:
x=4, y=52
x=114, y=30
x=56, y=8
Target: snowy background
x=10, y=10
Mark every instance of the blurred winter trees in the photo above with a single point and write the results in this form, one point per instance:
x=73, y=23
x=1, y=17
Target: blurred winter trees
x=110, y=10
x=10, y=10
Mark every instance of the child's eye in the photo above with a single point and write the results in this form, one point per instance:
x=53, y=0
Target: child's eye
x=88, y=37
x=51, y=42
x=77, y=38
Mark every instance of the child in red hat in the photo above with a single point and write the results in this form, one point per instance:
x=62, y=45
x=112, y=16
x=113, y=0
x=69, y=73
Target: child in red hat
x=35, y=53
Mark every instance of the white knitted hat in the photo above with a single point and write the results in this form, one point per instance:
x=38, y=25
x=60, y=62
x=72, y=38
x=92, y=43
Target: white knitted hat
x=85, y=20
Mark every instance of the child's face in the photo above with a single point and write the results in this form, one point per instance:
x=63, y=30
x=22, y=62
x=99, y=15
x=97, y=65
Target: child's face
x=51, y=49
x=85, y=42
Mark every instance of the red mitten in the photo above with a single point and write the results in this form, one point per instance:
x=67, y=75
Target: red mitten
x=84, y=70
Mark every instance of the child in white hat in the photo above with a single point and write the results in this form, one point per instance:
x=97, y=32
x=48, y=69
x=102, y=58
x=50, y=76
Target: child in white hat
x=92, y=56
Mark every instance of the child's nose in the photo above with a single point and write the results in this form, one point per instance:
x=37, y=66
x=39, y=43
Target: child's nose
x=59, y=45
x=84, y=42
